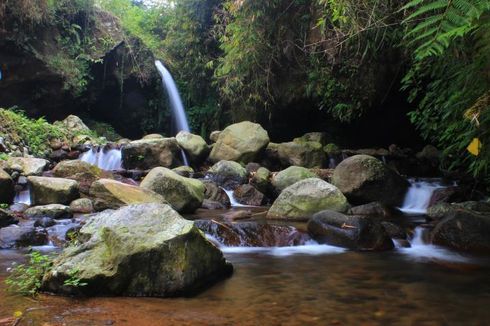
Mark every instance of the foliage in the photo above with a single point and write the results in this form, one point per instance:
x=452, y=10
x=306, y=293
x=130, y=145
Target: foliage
x=73, y=279
x=4, y=206
x=101, y=129
x=3, y=157
x=26, y=279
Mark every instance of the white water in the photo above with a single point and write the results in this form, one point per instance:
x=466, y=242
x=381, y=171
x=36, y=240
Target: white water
x=23, y=197
x=419, y=195
x=421, y=251
x=233, y=201
x=106, y=160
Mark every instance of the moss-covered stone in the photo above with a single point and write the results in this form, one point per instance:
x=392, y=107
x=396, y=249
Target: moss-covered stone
x=194, y=146
x=308, y=154
x=150, y=153
x=228, y=174
x=290, y=176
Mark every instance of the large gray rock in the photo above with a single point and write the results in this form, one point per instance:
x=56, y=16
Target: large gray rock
x=194, y=146
x=109, y=193
x=353, y=232
x=150, y=153
x=27, y=165
x=183, y=194
x=138, y=250
x=289, y=176
x=305, y=198
x=228, y=174
x=45, y=190
x=6, y=188
x=308, y=154
x=240, y=142
x=364, y=179
x=55, y=211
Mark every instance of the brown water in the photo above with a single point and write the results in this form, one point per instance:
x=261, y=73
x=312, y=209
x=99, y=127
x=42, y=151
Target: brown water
x=345, y=288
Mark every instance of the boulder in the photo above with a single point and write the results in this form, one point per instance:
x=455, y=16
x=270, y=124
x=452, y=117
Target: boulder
x=305, y=198
x=153, y=136
x=240, y=142
x=138, y=250
x=465, y=230
x=82, y=206
x=363, y=179
x=214, y=135
x=75, y=124
x=353, y=232
x=6, y=188
x=183, y=194
x=45, y=190
x=84, y=173
x=6, y=218
x=289, y=176
x=109, y=193
x=442, y=210
x=27, y=165
x=21, y=236
x=194, y=146
x=308, y=154
x=215, y=194
x=228, y=174
x=248, y=195
x=429, y=154
x=374, y=209
x=185, y=171
x=55, y=211
x=146, y=154
x=261, y=179
x=394, y=231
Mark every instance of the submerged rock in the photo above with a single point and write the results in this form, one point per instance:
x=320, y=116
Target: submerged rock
x=240, y=142
x=114, y=194
x=138, y=250
x=228, y=174
x=6, y=188
x=305, y=198
x=183, y=194
x=363, y=179
x=27, y=165
x=289, y=176
x=353, y=232
x=194, y=145
x=55, y=211
x=45, y=190
x=150, y=153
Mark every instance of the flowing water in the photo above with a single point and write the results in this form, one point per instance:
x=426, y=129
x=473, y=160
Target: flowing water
x=109, y=160
x=419, y=195
x=23, y=197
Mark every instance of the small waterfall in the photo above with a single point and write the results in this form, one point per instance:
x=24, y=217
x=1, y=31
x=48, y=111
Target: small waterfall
x=419, y=195
x=23, y=197
x=233, y=201
x=109, y=160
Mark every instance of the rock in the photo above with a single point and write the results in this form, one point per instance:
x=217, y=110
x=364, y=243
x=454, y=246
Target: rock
x=305, y=198
x=58, y=155
x=75, y=124
x=114, y=194
x=240, y=142
x=82, y=206
x=149, y=153
x=363, y=179
x=374, y=209
x=210, y=204
x=319, y=137
x=194, y=146
x=441, y=210
x=394, y=231
x=215, y=193
x=353, y=232
x=6, y=218
x=45, y=191
x=248, y=195
x=84, y=173
x=21, y=236
x=308, y=154
x=28, y=165
x=261, y=179
x=214, y=136
x=55, y=211
x=185, y=171
x=153, y=136
x=138, y=250
x=463, y=230
x=237, y=215
x=332, y=150
x=252, y=167
x=44, y=222
x=289, y=176
x=429, y=154
x=6, y=188
x=183, y=194
x=228, y=174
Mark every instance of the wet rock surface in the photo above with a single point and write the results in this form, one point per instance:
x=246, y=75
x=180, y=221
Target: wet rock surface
x=45, y=190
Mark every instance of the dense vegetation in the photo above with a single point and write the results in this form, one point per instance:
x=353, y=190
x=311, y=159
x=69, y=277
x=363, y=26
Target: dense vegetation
x=243, y=59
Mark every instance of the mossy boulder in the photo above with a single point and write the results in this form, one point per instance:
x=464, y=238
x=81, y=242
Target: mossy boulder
x=45, y=190
x=183, y=194
x=364, y=179
x=138, y=250
x=305, y=198
x=307, y=154
x=228, y=174
x=6, y=188
x=109, y=193
x=289, y=176
x=55, y=211
x=146, y=154
x=27, y=165
x=72, y=123
x=240, y=142
x=194, y=146
x=82, y=205
x=84, y=173
x=261, y=179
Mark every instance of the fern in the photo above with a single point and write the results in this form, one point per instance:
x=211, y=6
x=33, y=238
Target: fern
x=436, y=23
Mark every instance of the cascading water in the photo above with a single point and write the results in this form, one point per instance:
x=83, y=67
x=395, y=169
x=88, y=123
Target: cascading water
x=419, y=195
x=233, y=201
x=176, y=105
x=23, y=197
x=109, y=160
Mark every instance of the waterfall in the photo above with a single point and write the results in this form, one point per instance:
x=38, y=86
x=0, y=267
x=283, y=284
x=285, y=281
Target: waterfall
x=419, y=195
x=176, y=105
x=23, y=197
x=109, y=160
